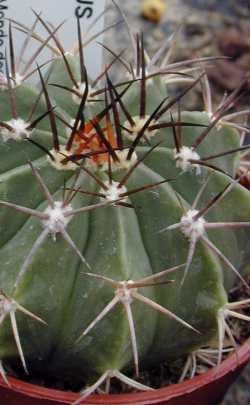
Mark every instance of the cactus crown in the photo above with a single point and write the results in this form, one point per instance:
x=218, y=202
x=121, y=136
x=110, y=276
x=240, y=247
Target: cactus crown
x=114, y=205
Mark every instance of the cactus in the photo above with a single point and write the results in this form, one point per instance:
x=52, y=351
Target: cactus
x=123, y=227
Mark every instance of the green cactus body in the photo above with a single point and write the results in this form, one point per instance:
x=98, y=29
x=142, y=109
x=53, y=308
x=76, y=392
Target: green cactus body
x=117, y=242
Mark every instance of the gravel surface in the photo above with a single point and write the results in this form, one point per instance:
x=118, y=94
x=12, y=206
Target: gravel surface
x=239, y=393
x=208, y=27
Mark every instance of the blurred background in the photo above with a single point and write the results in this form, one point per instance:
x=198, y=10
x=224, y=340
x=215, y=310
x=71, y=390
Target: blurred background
x=203, y=28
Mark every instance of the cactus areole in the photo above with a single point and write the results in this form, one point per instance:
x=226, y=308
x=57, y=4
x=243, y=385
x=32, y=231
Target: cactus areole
x=122, y=225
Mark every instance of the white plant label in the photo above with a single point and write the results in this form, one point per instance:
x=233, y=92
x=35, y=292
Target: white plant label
x=54, y=12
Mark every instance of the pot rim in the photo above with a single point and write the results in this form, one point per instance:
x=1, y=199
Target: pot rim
x=235, y=361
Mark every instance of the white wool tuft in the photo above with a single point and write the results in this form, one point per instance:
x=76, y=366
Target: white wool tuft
x=19, y=130
x=191, y=227
x=183, y=158
x=57, y=219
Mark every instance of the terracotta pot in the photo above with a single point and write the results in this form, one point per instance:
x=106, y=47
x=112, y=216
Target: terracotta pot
x=206, y=389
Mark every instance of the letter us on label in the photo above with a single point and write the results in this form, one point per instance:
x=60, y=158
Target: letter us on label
x=84, y=9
